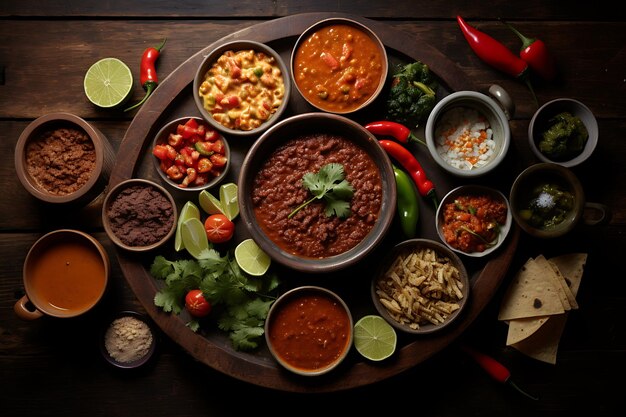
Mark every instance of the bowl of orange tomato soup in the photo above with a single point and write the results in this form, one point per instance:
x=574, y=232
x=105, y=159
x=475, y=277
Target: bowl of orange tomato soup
x=474, y=220
x=317, y=192
x=296, y=323
x=242, y=87
x=339, y=65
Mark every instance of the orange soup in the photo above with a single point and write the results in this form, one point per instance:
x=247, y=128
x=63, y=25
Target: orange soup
x=338, y=68
x=68, y=275
x=310, y=331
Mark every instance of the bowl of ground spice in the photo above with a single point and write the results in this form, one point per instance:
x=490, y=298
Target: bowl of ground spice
x=62, y=159
x=129, y=340
x=139, y=215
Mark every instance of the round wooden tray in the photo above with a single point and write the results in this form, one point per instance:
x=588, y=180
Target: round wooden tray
x=173, y=98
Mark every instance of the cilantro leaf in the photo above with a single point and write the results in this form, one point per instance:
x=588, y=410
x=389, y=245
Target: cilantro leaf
x=330, y=185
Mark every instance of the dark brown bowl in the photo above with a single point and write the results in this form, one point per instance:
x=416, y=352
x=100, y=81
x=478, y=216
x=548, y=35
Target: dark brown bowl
x=122, y=358
x=316, y=123
x=413, y=245
x=98, y=178
x=130, y=212
x=210, y=59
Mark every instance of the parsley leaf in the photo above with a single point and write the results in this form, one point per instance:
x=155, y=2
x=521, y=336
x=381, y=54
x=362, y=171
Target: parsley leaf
x=330, y=185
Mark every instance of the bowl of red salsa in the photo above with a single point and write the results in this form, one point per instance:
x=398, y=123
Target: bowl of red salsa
x=296, y=323
x=473, y=220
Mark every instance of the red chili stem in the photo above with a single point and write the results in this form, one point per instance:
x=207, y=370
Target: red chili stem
x=412, y=166
x=396, y=130
x=535, y=52
x=494, y=368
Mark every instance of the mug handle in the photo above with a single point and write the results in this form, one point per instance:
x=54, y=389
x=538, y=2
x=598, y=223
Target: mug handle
x=23, y=312
x=595, y=214
x=504, y=100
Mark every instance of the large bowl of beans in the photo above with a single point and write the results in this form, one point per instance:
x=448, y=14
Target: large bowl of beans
x=242, y=87
x=62, y=159
x=293, y=199
x=339, y=65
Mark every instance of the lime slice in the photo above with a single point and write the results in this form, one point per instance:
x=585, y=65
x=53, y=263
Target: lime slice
x=229, y=200
x=194, y=238
x=251, y=258
x=189, y=211
x=108, y=83
x=374, y=338
x=209, y=203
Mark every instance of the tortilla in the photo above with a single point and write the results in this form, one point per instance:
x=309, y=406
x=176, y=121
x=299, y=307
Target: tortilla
x=571, y=299
x=571, y=266
x=520, y=329
x=551, y=274
x=531, y=294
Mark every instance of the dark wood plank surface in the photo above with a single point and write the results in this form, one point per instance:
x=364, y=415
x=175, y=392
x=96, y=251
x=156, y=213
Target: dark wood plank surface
x=53, y=367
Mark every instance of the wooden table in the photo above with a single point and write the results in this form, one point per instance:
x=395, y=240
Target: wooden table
x=53, y=367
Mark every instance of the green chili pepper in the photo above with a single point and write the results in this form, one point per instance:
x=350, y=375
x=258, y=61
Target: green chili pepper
x=407, y=202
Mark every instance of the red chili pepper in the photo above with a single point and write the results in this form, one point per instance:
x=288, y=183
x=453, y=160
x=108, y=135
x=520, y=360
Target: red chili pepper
x=396, y=130
x=405, y=158
x=495, y=53
x=535, y=52
x=494, y=368
x=147, y=72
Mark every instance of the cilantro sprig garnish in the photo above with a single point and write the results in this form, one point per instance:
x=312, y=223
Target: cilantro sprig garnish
x=243, y=303
x=329, y=184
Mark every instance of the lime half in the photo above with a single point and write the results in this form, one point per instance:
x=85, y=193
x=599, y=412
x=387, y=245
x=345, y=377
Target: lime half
x=374, y=338
x=209, y=203
x=108, y=83
x=251, y=258
x=194, y=238
x=189, y=211
x=229, y=200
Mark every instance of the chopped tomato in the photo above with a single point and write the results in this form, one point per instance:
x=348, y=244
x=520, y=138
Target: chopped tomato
x=205, y=148
x=205, y=164
x=174, y=172
x=197, y=304
x=219, y=147
x=160, y=151
x=218, y=160
x=218, y=228
x=175, y=140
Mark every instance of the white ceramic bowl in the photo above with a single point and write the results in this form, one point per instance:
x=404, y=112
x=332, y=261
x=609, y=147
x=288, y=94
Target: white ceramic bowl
x=541, y=121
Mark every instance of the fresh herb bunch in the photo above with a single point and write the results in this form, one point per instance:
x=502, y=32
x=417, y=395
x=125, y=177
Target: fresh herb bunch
x=413, y=94
x=328, y=184
x=245, y=301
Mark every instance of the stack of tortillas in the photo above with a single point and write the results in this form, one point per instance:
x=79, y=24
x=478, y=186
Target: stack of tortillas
x=537, y=302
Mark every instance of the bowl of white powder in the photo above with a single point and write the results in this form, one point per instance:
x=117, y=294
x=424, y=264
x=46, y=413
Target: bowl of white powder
x=129, y=340
x=468, y=133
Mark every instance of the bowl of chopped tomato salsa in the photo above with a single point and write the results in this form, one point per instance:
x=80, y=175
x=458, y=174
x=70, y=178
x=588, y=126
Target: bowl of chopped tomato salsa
x=189, y=154
x=474, y=220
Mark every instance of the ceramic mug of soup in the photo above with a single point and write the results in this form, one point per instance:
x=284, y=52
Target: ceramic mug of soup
x=65, y=274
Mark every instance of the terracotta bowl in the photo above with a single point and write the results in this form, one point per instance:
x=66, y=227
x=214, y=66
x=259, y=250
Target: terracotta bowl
x=86, y=187
x=127, y=224
x=541, y=121
x=162, y=138
x=315, y=124
x=212, y=57
x=314, y=306
x=415, y=246
x=298, y=74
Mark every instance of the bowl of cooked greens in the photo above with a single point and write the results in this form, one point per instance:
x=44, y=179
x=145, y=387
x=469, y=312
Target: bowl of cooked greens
x=563, y=131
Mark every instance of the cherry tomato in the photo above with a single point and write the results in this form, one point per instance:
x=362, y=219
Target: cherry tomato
x=196, y=304
x=218, y=228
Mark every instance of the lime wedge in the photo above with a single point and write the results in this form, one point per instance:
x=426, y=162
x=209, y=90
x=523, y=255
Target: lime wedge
x=189, y=211
x=209, y=203
x=194, y=238
x=229, y=200
x=108, y=83
x=374, y=338
x=251, y=258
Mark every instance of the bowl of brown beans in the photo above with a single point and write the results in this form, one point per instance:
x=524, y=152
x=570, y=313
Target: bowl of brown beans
x=139, y=215
x=317, y=192
x=242, y=87
x=422, y=286
x=62, y=159
x=474, y=220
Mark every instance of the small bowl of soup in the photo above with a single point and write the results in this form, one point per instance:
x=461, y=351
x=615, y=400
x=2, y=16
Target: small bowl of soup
x=317, y=192
x=296, y=323
x=339, y=65
x=242, y=87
